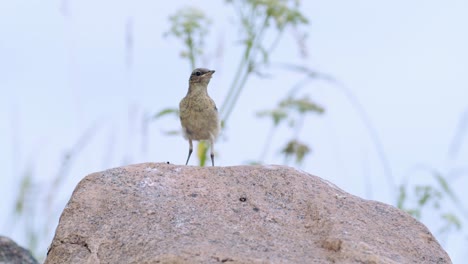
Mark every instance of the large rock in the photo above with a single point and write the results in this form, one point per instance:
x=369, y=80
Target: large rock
x=160, y=213
x=12, y=253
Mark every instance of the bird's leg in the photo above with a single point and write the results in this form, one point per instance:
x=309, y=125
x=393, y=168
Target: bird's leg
x=212, y=152
x=189, y=151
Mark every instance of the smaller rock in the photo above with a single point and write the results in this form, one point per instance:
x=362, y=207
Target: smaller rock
x=12, y=253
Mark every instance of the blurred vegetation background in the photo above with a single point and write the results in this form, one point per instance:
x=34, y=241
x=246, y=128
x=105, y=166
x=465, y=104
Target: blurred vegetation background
x=260, y=25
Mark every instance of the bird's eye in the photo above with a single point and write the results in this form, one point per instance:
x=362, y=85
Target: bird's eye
x=198, y=73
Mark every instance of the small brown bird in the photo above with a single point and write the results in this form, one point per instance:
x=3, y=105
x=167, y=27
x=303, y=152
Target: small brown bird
x=198, y=112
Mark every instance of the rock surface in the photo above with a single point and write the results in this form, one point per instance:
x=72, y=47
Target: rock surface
x=12, y=253
x=161, y=213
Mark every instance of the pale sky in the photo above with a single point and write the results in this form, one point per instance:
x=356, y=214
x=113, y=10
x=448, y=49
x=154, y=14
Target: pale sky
x=64, y=73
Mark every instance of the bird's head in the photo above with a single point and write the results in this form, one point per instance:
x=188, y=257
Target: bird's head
x=201, y=76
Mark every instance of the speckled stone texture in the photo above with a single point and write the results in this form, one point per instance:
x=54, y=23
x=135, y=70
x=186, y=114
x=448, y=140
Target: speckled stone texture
x=12, y=253
x=162, y=213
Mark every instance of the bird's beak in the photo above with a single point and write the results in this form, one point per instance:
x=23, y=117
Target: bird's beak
x=209, y=74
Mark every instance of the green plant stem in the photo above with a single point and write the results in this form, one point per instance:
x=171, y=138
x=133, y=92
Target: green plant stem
x=232, y=87
x=191, y=50
x=240, y=67
x=299, y=126
x=276, y=41
x=249, y=54
x=235, y=93
x=267, y=143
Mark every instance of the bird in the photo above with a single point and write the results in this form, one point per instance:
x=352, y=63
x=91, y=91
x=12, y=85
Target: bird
x=198, y=113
